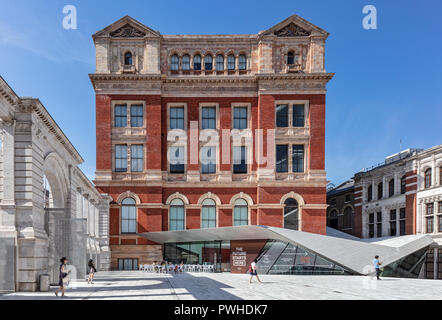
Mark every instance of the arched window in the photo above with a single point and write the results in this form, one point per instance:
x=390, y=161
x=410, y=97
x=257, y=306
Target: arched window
x=174, y=62
x=391, y=188
x=208, y=62
x=208, y=214
x=291, y=214
x=176, y=215
x=128, y=216
x=128, y=58
x=197, y=62
x=242, y=62
x=290, y=58
x=370, y=193
x=348, y=218
x=333, y=219
x=241, y=213
x=219, y=63
x=403, y=184
x=186, y=62
x=428, y=178
x=231, y=62
x=380, y=190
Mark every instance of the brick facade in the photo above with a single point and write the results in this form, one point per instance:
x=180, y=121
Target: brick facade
x=260, y=80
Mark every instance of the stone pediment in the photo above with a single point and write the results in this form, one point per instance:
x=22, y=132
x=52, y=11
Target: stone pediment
x=295, y=26
x=128, y=31
x=126, y=27
x=292, y=30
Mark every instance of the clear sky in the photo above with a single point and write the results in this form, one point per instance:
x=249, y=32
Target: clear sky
x=387, y=88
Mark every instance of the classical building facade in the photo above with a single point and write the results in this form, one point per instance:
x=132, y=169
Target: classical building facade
x=204, y=131
x=403, y=196
x=340, y=213
x=48, y=207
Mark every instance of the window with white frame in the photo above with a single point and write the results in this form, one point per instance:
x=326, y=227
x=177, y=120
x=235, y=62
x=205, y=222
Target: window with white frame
x=208, y=62
x=197, y=62
x=282, y=116
x=291, y=115
x=298, y=115
x=282, y=160
x=128, y=216
x=186, y=62
x=174, y=62
x=242, y=62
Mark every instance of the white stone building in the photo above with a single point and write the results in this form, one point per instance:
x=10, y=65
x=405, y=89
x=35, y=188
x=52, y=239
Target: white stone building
x=48, y=208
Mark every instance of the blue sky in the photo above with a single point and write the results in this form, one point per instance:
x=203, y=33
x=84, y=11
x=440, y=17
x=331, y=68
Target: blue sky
x=387, y=88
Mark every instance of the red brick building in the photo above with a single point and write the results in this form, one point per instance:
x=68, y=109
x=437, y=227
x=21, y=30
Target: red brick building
x=203, y=131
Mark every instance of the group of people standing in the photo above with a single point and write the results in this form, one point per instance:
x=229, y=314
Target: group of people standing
x=63, y=279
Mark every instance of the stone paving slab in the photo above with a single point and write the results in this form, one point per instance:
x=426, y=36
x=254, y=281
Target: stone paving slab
x=138, y=285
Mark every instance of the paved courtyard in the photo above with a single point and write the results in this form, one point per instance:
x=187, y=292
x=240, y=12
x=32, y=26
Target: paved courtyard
x=201, y=286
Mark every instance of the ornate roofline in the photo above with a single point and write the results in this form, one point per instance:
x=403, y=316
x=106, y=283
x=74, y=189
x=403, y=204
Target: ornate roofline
x=8, y=93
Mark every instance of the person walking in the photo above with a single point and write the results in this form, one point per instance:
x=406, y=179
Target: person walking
x=92, y=271
x=62, y=277
x=377, y=266
x=254, y=271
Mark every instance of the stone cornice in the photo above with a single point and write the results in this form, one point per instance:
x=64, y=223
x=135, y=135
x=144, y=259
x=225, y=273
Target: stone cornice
x=210, y=79
x=53, y=127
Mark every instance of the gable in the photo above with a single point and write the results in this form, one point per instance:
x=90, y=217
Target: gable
x=126, y=27
x=292, y=30
x=128, y=31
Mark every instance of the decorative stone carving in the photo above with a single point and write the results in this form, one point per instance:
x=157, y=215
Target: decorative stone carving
x=292, y=30
x=127, y=31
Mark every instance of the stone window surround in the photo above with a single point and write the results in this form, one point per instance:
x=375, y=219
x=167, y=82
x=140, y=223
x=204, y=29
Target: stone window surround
x=385, y=179
x=249, y=114
x=290, y=174
x=128, y=104
x=128, y=144
x=290, y=104
x=423, y=203
x=200, y=115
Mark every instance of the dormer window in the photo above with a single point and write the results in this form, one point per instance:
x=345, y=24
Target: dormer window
x=128, y=58
x=174, y=62
x=291, y=58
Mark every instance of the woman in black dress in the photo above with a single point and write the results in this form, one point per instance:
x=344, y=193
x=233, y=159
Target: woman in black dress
x=92, y=271
x=62, y=277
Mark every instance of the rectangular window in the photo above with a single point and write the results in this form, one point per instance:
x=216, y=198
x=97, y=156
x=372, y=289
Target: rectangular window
x=136, y=116
x=208, y=160
x=379, y=225
x=282, y=116
x=298, y=115
x=136, y=157
x=430, y=224
x=393, y=225
x=240, y=118
x=208, y=117
x=298, y=158
x=176, y=158
x=440, y=206
x=402, y=221
x=282, y=161
x=371, y=225
x=120, y=113
x=127, y=264
x=121, y=158
x=240, y=160
x=439, y=218
x=430, y=209
x=177, y=118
